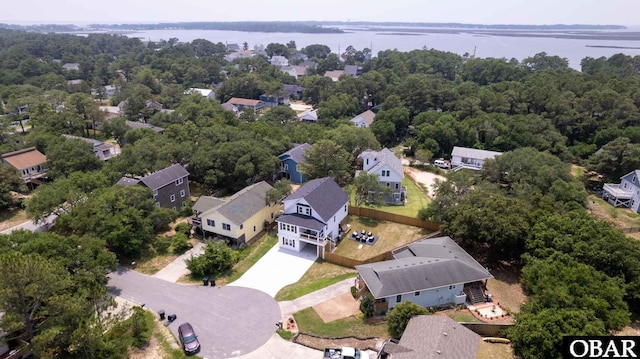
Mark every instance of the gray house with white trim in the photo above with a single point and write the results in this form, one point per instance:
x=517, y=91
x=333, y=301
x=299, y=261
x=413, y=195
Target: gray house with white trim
x=431, y=272
x=170, y=186
x=625, y=194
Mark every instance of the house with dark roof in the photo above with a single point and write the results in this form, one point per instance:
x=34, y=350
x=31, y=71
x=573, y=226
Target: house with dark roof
x=353, y=70
x=470, y=158
x=388, y=167
x=103, y=150
x=276, y=99
x=310, y=116
x=170, y=186
x=626, y=193
x=245, y=103
x=431, y=272
x=28, y=161
x=313, y=216
x=289, y=162
x=364, y=119
x=431, y=337
x=238, y=218
x=138, y=125
x=294, y=91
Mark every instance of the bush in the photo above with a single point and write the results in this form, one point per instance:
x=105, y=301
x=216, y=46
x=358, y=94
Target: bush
x=367, y=305
x=186, y=210
x=400, y=315
x=354, y=292
x=161, y=218
x=180, y=243
x=141, y=327
x=216, y=259
x=183, y=228
x=162, y=245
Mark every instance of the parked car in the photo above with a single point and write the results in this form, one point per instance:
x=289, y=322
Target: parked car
x=188, y=338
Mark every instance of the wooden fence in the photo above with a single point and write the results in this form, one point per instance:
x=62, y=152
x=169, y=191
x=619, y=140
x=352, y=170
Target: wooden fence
x=351, y=263
x=392, y=217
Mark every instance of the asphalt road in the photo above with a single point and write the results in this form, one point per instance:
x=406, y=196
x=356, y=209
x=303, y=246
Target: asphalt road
x=32, y=226
x=229, y=321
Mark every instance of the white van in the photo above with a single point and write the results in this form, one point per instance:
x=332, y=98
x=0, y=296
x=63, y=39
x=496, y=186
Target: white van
x=441, y=164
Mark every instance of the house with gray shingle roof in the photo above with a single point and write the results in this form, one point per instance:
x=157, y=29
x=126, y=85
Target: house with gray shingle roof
x=388, y=167
x=431, y=337
x=238, y=218
x=312, y=216
x=470, y=158
x=290, y=160
x=364, y=119
x=170, y=186
x=431, y=272
x=103, y=150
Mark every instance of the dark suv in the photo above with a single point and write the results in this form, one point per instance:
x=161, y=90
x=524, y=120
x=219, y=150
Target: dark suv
x=188, y=339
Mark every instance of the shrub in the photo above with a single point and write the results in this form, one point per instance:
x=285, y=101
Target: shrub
x=367, y=305
x=354, y=292
x=216, y=259
x=400, y=315
x=183, y=228
x=141, y=327
x=180, y=243
x=162, y=244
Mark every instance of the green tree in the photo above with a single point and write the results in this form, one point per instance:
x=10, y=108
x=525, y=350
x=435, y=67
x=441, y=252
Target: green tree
x=399, y=316
x=9, y=181
x=354, y=139
x=317, y=51
x=326, y=158
x=280, y=190
x=216, y=259
x=69, y=155
x=367, y=305
x=370, y=190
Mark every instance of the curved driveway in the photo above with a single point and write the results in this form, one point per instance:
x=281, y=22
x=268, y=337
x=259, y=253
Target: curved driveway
x=230, y=321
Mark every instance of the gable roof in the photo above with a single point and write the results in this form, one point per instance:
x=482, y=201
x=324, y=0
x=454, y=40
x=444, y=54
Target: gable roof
x=323, y=195
x=352, y=70
x=334, y=75
x=384, y=157
x=95, y=143
x=426, y=264
x=229, y=107
x=636, y=173
x=25, y=158
x=296, y=153
x=473, y=153
x=136, y=125
x=243, y=101
x=366, y=117
x=435, y=336
x=164, y=176
x=205, y=203
x=244, y=204
x=308, y=115
x=128, y=181
x=203, y=92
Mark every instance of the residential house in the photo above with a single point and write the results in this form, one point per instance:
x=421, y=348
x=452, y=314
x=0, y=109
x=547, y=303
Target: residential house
x=106, y=92
x=230, y=107
x=209, y=93
x=244, y=54
x=310, y=115
x=294, y=91
x=103, y=150
x=170, y=186
x=364, y=119
x=238, y=218
x=433, y=336
x=29, y=162
x=313, y=216
x=470, y=158
x=279, y=61
x=431, y=272
x=274, y=100
x=334, y=75
x=150, y=107
x=233, y=47
x=353, y=70
x=289, y=162
x=71, y=66
x=291, y=71
x=625, y=194
x=111, y=112
x=388, y=167
x=245, y=103
x=309, y=64
x=299, y=56
x=138, y=125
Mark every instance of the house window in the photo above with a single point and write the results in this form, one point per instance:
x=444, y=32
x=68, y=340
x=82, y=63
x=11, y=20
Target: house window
x=345, y=207
x=633, y=179
x=286, y=166
x=173, y=198
x=211, y=223
x=304, y=210
x=183, y=203
x=241, y=226
x=155, y=192
x=397, y=185
x=158, y=204
x=334, y=219
x=179, y=181
x=398, y=298
x=417, y=294
x=173, y=208
x=182, y=193
x=254, y=229
x=271, y=215
x=367, y=161
x=226, y=227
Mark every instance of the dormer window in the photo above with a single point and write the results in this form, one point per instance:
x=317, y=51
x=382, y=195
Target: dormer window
x=302, y=209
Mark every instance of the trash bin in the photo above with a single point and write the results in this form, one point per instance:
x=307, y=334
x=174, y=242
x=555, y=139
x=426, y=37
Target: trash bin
x=161, y=314
x=205, y=281
x=172, y=317
x=213, y=281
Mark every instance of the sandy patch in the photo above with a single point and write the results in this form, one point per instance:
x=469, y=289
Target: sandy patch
x=339, y=307
x=426, y=179
x=300, y=106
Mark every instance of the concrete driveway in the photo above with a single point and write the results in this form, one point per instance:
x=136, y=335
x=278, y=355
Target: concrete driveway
x=277, y=269
x=230, y=321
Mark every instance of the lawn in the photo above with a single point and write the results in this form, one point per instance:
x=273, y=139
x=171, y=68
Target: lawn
x=321, y=274
x=619, y=217
x=12, y=218
x=460, y=316
x=506, y=288
x=309, y=322
x=494, y=351
x=392, y=235
x=416, y=200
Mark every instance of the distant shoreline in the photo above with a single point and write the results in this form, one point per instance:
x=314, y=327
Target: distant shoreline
x=614, y=47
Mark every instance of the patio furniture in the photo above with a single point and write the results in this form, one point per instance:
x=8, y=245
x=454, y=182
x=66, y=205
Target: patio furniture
x=369, y=234
x=371, y=238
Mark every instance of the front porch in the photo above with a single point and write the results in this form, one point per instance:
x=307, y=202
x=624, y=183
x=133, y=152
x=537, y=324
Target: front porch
x=616, y=196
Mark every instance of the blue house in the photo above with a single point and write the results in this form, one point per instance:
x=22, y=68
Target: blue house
x=289, y=163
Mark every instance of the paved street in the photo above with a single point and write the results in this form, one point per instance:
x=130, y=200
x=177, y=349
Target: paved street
x=31, y=226
x=230, y=321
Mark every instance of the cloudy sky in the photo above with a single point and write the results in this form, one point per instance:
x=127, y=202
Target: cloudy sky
x=622, y=12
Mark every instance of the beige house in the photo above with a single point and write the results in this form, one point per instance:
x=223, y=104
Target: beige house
x=238, y=218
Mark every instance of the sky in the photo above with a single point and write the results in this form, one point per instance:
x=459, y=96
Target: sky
x=536, y=12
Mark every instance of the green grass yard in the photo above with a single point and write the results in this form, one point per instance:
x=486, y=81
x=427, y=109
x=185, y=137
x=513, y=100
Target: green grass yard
x=321, y=274
x=416, y=200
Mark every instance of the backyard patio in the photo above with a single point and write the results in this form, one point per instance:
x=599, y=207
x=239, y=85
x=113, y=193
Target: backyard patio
x=390, y=236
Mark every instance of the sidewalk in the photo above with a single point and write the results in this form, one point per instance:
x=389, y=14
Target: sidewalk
x=322, y=295
x=178, y=268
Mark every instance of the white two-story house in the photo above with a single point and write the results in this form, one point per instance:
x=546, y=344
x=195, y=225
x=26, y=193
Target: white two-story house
x=312, y=216
x=625, y=194
x=388, y=167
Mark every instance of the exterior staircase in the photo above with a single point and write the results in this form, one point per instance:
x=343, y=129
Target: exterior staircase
x=475, y=294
